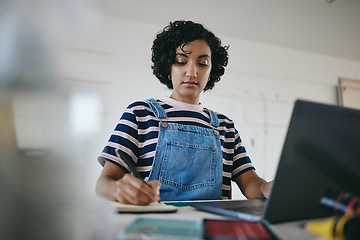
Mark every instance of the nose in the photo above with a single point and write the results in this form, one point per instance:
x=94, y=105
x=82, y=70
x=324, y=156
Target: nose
x=191, y=71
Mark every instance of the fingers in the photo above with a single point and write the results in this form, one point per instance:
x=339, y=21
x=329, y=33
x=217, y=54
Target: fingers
x=131, y=190
x=266, y=189
x=155, y=185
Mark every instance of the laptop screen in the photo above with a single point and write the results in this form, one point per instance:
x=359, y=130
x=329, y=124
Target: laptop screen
x=321, y=153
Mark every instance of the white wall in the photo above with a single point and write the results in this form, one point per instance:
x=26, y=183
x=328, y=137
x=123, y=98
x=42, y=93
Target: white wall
x=112, y=68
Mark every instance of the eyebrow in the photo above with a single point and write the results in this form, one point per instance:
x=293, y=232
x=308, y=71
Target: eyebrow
x=186, y=55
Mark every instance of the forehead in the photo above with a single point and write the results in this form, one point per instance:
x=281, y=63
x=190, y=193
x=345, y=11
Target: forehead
x=196, y=47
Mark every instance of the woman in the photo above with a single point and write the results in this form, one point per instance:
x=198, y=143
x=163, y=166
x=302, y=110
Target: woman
x=183, y=150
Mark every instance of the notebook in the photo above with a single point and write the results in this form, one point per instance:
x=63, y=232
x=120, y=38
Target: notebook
x=321, y=153
x=155, y=207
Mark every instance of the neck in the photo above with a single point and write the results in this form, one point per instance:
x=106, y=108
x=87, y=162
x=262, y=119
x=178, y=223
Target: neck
x=194, y=101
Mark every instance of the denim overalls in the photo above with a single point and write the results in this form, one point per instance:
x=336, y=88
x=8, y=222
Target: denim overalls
x=188, y=159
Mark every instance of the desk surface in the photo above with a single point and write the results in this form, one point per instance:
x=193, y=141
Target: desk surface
x=119, y=222
x=183, y=213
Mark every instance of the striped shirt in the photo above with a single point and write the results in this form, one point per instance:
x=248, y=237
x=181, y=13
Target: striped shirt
x=137, y=134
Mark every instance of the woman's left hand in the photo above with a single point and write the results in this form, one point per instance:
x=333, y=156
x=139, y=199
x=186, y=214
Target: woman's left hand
x=265, y=188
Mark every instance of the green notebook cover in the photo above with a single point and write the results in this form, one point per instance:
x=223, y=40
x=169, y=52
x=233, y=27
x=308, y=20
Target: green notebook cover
x=156, y=228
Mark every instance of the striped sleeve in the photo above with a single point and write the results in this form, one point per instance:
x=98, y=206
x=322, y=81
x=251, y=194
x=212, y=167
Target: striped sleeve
x=242, y=162
x=136, y=134
x=235, y=158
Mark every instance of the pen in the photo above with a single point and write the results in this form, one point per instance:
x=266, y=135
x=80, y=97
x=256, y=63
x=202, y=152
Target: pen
x=129, y=163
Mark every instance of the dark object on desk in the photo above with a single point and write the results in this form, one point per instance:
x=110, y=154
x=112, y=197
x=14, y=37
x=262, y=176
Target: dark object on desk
x=321, y=152
x=352, y=229
x=235, y=229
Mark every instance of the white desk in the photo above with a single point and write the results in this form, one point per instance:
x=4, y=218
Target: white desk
x=119, y=222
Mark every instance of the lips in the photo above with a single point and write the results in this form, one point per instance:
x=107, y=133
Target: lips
x=190, y=83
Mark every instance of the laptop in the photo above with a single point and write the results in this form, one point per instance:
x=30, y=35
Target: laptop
x=321, y=153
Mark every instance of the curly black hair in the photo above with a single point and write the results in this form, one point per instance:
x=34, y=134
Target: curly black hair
x=177, y=34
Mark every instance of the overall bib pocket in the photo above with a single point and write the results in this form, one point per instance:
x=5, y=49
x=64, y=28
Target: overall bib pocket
x=188, y=166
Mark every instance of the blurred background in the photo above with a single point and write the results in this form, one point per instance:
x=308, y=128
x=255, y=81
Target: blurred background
x=69, y=68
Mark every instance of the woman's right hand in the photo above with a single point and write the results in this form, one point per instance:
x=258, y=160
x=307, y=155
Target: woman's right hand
x=116, y=185
x=131, y=190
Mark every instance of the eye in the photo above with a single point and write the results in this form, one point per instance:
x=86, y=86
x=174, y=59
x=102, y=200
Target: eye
x=204, y=62
x=181, y=63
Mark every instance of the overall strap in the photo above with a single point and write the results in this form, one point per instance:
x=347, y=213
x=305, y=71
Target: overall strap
x=214, y=121
x=157, y=109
